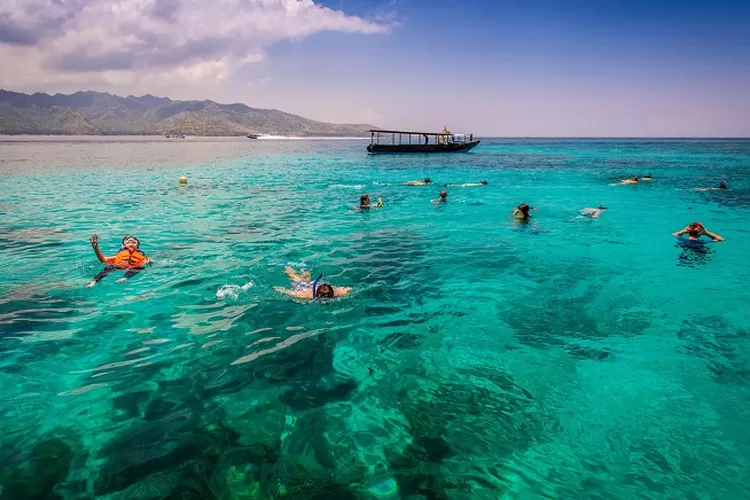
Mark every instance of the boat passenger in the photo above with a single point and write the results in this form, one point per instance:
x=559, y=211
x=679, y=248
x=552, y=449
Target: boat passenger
x=303, y=287
x=522, y=212
x=129, y=259
x=419, y=183
x=695, y=231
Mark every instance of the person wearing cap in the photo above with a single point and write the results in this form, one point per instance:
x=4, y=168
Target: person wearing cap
x=129, y=259
x=696, y=230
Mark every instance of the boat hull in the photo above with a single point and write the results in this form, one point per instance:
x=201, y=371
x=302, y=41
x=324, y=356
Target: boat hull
x=461, y=147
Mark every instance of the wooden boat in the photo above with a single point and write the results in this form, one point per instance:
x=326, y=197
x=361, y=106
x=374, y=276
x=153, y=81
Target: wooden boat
x=400, y=141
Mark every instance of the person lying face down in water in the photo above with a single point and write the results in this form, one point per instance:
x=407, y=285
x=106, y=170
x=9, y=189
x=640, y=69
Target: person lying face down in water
x=418, y=183
x=647, y=177
x=632, y=180
x=695, y=231
x=129, y=259
x=364, y=202
x=522, y=212
x=467, y=185
x=722, y=186
x=594, y=213
x=303, y=287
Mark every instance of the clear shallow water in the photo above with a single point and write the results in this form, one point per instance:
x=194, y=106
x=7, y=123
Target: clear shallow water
x=573, y=358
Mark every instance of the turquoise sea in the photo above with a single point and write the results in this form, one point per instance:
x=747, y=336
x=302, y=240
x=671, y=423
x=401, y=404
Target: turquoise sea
x=474, y=359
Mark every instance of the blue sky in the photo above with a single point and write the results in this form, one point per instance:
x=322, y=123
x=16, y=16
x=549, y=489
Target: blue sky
x=495, y=68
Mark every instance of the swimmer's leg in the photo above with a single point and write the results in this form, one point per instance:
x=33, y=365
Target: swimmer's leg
x=107, y=269
x=130, y=273
x=296, y=277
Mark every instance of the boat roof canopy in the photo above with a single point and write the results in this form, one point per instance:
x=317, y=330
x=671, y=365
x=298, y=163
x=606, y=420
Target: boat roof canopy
x=375, y=130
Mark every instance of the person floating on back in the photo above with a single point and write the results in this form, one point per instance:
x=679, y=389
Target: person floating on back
x=594, y=213
x=521, y=212
x=632, y=180
x=695, y=231
x=129, y=259
x=419, y=183
x=303, y=287
x=442, y=197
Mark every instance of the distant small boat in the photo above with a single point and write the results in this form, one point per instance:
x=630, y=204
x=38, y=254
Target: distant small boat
x=419, y=142
x=253, y=136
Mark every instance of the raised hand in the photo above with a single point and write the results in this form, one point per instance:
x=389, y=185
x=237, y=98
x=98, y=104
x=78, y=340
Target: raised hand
x=94, y=240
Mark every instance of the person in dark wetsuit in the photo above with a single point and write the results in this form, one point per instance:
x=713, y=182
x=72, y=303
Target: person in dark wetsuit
x=129, y=259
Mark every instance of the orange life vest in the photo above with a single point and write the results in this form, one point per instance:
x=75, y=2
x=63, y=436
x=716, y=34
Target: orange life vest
x=125, y=259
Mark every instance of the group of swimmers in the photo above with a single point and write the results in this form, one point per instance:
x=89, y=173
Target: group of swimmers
x=132, y=260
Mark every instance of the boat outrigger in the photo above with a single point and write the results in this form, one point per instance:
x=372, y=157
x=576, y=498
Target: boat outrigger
x=399, y=141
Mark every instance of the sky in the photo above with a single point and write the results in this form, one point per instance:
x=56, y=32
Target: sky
x=492, y=67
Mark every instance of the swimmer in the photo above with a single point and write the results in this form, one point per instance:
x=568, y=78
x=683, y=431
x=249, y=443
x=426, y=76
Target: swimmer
x=695, y=231
x=129, y=259
x=522, y=212
x=467, y=185
x=647, y=177
x=594, y=213
x=632, y=180
x=364, y=202
x=442, y=197
x=722, y=187
x=303, y=287
x=419, y=183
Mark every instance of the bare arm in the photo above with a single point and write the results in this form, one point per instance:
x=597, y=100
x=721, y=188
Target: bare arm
x=341, y=291
x=95, y=245
x=680, y=233
x=713, y=236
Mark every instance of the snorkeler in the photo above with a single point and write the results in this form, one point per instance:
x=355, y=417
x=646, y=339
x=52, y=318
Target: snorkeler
x=594, y=213
x=695, y=231
x=129, y=258
x=647, y=177
x=442, y=197
x=722, y=187
x=364, y=202
x=303, y=287
x=467, y=185
x=632, y=180
x=521, y=212
x=418, y=183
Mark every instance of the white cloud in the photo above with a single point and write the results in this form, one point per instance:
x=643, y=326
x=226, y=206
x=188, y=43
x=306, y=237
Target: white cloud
x=152, y=44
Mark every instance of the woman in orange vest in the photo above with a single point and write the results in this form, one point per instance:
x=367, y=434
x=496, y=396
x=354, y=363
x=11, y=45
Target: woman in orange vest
x=129, y=258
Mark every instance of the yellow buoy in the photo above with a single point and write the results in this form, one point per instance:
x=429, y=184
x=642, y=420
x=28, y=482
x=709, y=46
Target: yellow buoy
x=183, y=180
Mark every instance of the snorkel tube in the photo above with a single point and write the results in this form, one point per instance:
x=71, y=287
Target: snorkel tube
x=315, y=286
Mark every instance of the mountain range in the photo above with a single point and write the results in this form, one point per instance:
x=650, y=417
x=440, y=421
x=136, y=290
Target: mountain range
x=99, y=113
